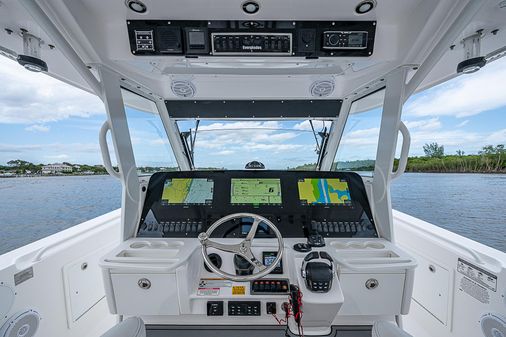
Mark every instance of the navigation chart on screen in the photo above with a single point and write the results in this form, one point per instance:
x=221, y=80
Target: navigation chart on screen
x=324, y=191
x=255, y=191
x=187, y=191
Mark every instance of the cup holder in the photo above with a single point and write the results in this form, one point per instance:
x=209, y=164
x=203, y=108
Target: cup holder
x=358, y=245
x=155, y=244
x=140, y=244
x=375, y=245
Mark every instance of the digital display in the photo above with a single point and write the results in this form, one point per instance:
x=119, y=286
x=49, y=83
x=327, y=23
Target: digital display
x=251, y=191
x=268, y=259
x=187, y=191
x=355, y=39
x=322, y=191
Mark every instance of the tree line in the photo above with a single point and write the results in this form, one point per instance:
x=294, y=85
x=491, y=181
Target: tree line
x=490, y=159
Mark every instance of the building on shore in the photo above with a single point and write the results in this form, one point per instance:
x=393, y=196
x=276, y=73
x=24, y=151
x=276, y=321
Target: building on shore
x=56, y=169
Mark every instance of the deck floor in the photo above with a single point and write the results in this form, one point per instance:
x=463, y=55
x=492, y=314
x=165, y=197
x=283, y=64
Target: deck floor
x=246, y=331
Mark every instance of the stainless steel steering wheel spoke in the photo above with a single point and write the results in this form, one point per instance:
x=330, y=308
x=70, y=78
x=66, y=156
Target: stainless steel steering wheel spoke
x=236, y=249
x=253, y=260
x=253, y=229
x=243, y=248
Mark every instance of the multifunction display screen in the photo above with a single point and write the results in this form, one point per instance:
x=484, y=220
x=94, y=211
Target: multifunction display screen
x=250, y=191
x=324, y=191
x=187, y=191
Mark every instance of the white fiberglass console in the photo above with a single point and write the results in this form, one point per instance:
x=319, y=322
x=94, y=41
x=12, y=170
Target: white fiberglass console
x=306, y=254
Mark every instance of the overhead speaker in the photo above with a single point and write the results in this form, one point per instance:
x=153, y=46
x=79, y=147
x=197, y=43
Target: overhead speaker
x=183, y=89
x=493, y=325
x=322, y=88
x=24, y=324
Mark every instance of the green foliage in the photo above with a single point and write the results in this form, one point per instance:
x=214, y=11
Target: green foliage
x=491, y=159
x=433, y=150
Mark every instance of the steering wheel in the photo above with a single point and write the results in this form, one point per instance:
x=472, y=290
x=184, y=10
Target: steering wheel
x=243, y=249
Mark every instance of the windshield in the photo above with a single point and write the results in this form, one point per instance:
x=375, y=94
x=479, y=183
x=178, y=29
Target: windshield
x=232, y=144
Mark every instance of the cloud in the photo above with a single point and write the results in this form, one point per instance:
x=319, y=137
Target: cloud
x=424, y=124
x=85, y=153
x=58, y=156
x=464, y=96
x=36, y=98
x=224, y=153
x=463, y=123
x=497, y=137
x=306, y=125
x=37, y=128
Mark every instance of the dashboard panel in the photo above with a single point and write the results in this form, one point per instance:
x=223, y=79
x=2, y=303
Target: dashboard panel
x=299, y=203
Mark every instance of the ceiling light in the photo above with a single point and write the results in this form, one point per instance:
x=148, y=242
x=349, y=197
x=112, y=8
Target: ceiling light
x=471, y=65
x=31, y=59
x=250, y=7
x=365, y=6
x=136, y=6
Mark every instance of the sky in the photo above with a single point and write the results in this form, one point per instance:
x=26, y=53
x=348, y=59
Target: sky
x=43, y=120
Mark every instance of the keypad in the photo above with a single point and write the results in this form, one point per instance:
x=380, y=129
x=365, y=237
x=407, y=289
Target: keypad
x=244, y=308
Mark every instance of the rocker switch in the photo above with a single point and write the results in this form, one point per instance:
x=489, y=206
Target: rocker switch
x=215, y=308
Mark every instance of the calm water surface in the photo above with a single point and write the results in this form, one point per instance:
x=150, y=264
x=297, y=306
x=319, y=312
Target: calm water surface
x=471, y=205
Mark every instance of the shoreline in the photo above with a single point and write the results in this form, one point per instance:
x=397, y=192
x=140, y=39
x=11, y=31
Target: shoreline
x=51, y=175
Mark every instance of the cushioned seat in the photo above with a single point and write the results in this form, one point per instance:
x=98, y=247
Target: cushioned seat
x=387, y=329
x=130, y=327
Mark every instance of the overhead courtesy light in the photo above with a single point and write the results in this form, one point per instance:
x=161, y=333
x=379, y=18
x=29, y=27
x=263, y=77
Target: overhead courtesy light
x=31, y=59
x=136, y=5
x=250, y=7
x=472, y=59
x=365, y=6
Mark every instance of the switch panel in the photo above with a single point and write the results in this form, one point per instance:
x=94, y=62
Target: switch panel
x=215, y=308
x=244, y=308
x=269, y=286
x=271, y=308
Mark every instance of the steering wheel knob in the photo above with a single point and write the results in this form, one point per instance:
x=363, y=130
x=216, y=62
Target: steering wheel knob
x=203, y=237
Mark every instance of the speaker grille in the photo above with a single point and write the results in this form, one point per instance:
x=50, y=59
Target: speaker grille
x=493, y=325
x=322, y=88
x=169, y=40
x=183, y=89
x=24, y=324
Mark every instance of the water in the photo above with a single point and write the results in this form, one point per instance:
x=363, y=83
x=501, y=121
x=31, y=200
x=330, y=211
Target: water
x=471, y=205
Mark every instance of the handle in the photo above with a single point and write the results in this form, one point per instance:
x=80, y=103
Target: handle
x=106, y=157
x=403, y=160
x=403, y=263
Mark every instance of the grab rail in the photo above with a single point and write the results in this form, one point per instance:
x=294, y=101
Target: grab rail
x=106, y=157
x=403, y=160
x=431, y=235
x=42, y=251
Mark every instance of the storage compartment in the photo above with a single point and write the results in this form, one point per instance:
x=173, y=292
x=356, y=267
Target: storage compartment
x=145, y=294
x=372, y=294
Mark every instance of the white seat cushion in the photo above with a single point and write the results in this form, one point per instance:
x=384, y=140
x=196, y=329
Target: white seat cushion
x=387, y=329
x=130, y=327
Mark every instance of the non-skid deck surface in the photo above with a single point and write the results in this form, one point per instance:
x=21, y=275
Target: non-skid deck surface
x=246, y=331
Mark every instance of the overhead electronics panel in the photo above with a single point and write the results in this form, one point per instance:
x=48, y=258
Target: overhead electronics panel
x=252, y=38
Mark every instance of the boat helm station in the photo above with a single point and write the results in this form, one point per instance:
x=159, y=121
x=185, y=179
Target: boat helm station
x=222, y=252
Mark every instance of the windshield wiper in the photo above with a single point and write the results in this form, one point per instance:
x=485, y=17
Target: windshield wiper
x=188, y=138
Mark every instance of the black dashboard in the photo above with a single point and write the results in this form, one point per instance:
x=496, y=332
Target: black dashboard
x=299, y=203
